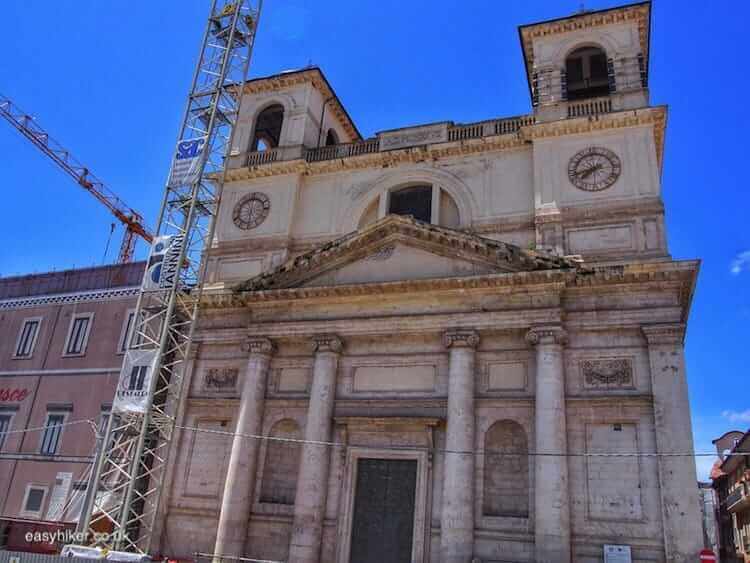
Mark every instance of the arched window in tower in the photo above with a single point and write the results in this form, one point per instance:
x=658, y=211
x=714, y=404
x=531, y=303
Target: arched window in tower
x=331, y=138
x=506, y=471
x=282, y=464
x=586, y=73
x=268, y=128
x=414, y=200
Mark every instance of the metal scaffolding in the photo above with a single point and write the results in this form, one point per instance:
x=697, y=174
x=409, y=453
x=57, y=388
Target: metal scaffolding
x=131, y=468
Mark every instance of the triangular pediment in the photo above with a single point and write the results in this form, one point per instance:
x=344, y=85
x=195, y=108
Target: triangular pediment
x=399, y=248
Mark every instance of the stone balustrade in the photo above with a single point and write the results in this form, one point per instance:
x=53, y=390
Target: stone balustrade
x=592, y=106
x=455, y=133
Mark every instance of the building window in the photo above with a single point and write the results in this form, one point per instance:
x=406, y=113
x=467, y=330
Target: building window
x=127, y=331
x=5, y=420
x=506, y=471
x=52, y=433
x=27, y=337
x=268, y=128
x=137, y=378
x=586, y=73
x=282, y=464
x=414, y=200
x=78, y=334
x=33, y=501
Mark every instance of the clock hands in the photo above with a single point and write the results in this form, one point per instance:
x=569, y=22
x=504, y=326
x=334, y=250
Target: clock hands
x=589, y=171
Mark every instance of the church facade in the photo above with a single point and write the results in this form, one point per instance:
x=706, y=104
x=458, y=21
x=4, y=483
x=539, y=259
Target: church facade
x=419, y=346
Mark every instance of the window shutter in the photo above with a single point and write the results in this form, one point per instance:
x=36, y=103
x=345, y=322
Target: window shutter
x=611, y=76
x=642, y=69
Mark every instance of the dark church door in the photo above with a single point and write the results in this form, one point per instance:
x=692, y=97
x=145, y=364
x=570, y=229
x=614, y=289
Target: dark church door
x=383, y=524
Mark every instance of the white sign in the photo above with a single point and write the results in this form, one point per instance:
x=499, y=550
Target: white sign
x=186, y=162
x=413, y=136
x=59, y=496
x=163, y=267
x=135, y=381
x=617, y=554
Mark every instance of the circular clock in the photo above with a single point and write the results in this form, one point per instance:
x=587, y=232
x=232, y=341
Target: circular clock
x=594, y=169
x=251, y=210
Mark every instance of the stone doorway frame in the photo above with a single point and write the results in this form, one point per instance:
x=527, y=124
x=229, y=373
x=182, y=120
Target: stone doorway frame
x=421, y=528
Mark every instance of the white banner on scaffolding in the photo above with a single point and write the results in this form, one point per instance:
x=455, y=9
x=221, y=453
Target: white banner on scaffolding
x=135, y=381
x=163, y=267
x=186, y=162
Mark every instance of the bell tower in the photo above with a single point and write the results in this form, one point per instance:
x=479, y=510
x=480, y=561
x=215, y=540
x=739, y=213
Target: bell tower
x=588, y=63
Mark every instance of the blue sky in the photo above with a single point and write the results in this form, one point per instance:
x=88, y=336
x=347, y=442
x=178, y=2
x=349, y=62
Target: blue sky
x=109, y=79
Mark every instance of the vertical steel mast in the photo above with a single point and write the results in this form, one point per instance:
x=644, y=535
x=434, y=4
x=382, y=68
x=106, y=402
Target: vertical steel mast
x=130, y=471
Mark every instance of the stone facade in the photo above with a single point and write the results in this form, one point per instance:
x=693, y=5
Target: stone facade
x=522, y=327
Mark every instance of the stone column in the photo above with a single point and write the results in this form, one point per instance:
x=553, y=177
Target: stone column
x=457, y=520
x=683, y=535
x=240, y=482
x=312, y=484
x=551, y=487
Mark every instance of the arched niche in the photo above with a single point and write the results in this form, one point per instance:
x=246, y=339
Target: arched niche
x=505, y=485
x=279, y=485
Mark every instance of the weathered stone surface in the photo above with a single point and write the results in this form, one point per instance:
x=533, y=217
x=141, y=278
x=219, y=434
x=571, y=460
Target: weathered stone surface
x=475, y=344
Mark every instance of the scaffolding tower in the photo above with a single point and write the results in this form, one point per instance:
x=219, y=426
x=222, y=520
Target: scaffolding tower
x=124, y=497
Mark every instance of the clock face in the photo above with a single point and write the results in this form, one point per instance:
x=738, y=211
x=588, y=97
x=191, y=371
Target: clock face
x=594, y=169
x=251, y=210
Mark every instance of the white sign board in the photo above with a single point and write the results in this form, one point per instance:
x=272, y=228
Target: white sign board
x=617, y=554
x=186, y=162
x=163, y=267
x=135, y=381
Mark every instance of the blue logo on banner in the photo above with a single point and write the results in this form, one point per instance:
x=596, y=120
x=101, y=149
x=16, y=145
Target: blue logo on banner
x=189, y=149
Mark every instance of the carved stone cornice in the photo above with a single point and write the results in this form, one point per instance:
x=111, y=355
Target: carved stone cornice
x=654, y=116
x=461, y=339
x=664, y=333
x=500, y=256
x=547, y=335
x=259, y=346
x=69, y=298
x=327, y=343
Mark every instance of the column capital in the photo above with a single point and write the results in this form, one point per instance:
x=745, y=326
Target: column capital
x=327, y=343
x=552, y=334
x=258, y=346
x=673, y=333
x=461, y=339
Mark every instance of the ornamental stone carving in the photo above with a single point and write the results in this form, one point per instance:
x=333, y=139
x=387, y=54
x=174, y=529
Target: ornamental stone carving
x=610, y=372
x=327, y=343
x=664, y=334
x=258, y=346
x=461, y=339
x=221, y=379
x=382, y=254
x=547, y=335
